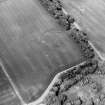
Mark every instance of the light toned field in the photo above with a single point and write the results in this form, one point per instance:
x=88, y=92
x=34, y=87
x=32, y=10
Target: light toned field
x=33, y=47
x=90, y=15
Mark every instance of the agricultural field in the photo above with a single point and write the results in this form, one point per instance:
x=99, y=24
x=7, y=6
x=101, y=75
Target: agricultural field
x=33, y=47
x=37, y=43
x=90, y=16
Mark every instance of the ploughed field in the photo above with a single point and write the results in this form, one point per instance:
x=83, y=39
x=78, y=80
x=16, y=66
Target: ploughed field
x=33, y=48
